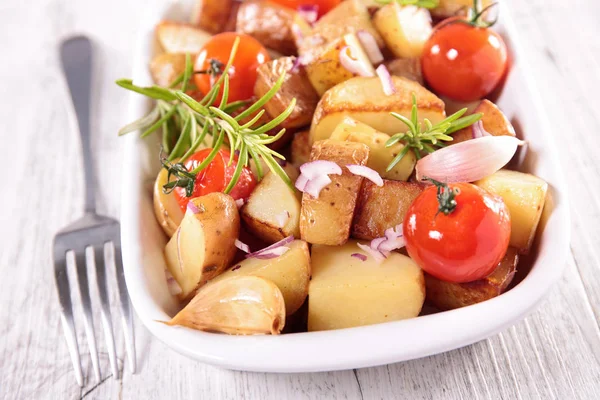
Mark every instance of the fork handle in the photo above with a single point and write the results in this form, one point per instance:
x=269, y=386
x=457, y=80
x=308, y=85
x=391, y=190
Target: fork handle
x=76, y=57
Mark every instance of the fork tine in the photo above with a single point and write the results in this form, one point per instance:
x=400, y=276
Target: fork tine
x=84, y=290
x=105, y=308
x=126, y=317
x=66, y=312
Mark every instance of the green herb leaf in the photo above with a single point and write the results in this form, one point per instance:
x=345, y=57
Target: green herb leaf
x=418, y=3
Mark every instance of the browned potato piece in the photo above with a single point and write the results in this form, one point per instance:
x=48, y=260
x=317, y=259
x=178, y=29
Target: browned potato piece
x=166, y=208
x=379, y=208
x=327, y=219
x=272, y=212
x=448, y=295
x=271, y=24
x=175, y=37
x=494, y=122
x=296, y=85
x=165, y=67
x=300, y=148
x=409, y=68
x=349, y=16
x=405, y=29
x=449, y=8
x=203, y=245
x=212, y=15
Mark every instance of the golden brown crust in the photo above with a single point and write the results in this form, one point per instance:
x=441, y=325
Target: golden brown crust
x=212, y=15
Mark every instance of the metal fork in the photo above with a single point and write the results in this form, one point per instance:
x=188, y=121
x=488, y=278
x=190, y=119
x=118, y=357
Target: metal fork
x=92, y=231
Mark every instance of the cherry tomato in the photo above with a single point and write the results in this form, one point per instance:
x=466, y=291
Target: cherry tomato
x=215, y=177
x=462, y=61
x=324, y=6
x=242, y=74
x=463, y=246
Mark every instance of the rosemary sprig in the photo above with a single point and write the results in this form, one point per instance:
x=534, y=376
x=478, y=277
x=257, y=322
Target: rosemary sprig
x=432, y=136
x=186, y=124
x=419, y=3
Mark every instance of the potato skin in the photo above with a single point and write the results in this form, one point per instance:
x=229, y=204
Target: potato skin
x=494, y=122
x=165, y=67
x=327, y=219
x=380, y=208
x=166, y=209
x=409, y=68
x=212, y=15
x=448, y=296
x=269, y=23
x=300, y=148
x=296, y=85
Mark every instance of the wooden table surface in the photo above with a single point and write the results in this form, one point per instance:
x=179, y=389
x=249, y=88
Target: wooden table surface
x=553, y=354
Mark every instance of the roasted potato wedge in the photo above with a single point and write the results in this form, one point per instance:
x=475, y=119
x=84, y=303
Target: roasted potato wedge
x=380, y=156
x=380, y=208
x=239, y=305
x=166, y=208
x=166, y=67
x=524, y=196
x=363, y=99
x=448, y=295
x=212, y=15
x=409, y=68
x=325, y=70
x=290, y=272
x=494, y=122
x=300, y=148
x=450, y=8
x=204, y=244
x=273, y=209
x=175, y=37
x=345, y=291
x=327, y=219
x=296, y=86
x=271, y=24
x=405, y=29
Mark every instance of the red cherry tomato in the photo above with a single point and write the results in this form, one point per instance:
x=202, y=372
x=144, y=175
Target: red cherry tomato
x=242, y=74
x=324, y=6
x=462, y=61
x=465, y=245
x=215, y=177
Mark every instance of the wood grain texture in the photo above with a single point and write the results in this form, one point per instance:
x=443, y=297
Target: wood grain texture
x=553, y=354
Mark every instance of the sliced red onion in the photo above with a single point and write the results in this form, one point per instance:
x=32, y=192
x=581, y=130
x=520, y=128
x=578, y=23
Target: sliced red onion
x=174, y=288
x=239, y=203
x=366, y=172
x=392, y=244
x=242, y=246
x=297, y=32
x=468, y=161
x=376, y=254
x=301, y=182
x=361, y=257
x=309, y=12
x=192, y=208
x=282, y=242
x=369, y=43
x=282, y=218
x=320, y=167
x=315, y=185
x=352, y=64
x=375, y=243
x=386, y=80
x=478, y=130
x=236, y=267
x=274, y=253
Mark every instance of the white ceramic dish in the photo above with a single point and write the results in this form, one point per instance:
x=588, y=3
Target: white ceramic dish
x=143, y=242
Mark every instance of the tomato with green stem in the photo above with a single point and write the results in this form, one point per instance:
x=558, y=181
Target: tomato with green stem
x=242, y=75
x=457, y=232
x=215, y=177
x=464, y=58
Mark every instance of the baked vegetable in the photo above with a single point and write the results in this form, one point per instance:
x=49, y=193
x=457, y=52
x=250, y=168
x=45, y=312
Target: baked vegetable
x=450, y=8
x=409, y=68
x=271, y=24
x=380, y=156
x=405, y=29
x=212, y=15
x=175, y=37
x=494, y=122
x=448, y=296
x=290, y=272
x=379, y=208
x=239, y=305
x=272, y=212
x=203, y=245
x=346, y=291
x=327, y=219
x=296, y=86
x=524, y=196
x=166, y=208
x=300, y=148
x=166, y=67
x=364, y=100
